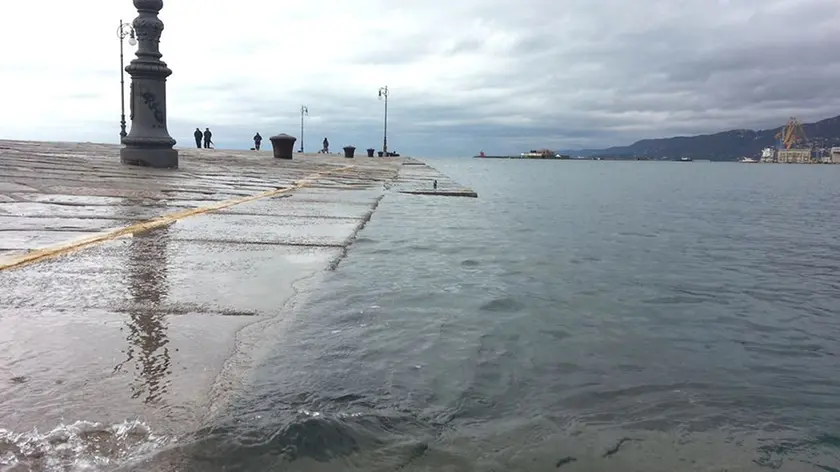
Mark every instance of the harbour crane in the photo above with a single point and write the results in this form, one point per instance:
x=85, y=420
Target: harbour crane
x=791, y=134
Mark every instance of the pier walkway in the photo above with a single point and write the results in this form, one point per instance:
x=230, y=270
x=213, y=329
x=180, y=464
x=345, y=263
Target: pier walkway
x=135, y=285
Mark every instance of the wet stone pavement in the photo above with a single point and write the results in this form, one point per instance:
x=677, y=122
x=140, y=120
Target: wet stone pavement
x=141, y=324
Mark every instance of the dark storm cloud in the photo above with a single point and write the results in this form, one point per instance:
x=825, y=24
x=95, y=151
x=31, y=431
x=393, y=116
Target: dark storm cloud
x=580, y=73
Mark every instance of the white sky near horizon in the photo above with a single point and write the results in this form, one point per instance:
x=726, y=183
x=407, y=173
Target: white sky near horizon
x=469, y=75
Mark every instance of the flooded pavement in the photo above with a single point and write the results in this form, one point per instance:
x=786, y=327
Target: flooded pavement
x=114, y=341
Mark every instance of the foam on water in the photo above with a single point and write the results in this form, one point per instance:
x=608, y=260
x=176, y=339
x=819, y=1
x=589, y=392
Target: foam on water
x=79, y=446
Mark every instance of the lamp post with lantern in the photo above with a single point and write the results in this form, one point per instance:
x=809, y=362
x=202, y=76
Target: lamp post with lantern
x=383, y=93
x=304, y=110
x=125, y=31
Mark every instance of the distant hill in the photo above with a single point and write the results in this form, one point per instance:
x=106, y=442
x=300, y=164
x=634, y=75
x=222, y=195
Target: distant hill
x=723, y=146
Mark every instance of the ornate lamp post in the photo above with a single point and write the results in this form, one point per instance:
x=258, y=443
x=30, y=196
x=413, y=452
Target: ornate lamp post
x=383, y=92
x=304, y=110
x=148, y=143
x=125, y=30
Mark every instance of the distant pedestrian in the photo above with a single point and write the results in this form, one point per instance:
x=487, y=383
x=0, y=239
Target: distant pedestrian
x=208, y=138
x=198, y=135
x=257, y=141
x=326, y=146
x=435, y=184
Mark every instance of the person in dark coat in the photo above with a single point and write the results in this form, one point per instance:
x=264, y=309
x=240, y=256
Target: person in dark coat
x=257, y=141
x=198, y=135
x=326, y=146
x=207, y=138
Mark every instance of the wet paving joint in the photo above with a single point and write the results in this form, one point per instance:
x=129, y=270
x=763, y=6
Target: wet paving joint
x=564, y=461
x=614, y=449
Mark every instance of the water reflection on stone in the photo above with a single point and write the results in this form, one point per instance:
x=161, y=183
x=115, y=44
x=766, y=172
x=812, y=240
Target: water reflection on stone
x=146, y=324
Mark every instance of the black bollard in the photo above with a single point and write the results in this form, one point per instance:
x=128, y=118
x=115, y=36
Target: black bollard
x=283, y=146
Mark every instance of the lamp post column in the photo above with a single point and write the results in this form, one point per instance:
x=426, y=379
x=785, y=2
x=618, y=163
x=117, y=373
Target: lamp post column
x=304, y=110
x=125, y=30
x=383, y=93
x=148, y=143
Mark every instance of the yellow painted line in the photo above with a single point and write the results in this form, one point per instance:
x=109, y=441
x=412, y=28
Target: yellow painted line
x=36, y=255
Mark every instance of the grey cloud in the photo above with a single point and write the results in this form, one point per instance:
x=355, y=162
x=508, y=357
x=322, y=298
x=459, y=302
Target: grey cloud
x=393, y=53
x=592, y=73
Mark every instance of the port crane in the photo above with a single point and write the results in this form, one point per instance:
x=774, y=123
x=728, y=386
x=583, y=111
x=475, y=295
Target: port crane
x=791, y=134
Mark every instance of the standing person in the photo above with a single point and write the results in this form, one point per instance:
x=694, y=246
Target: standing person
x=326, y=146
x=257, y=141
x=207, y=138
x=198, y=136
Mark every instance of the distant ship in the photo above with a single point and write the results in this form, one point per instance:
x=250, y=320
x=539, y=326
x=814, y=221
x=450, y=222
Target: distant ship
x=538, y=154
x=686, y=159
x=532, y=154
x=747, y=160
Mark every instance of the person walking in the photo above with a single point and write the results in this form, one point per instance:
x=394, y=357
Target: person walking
x=257, y=141
x=326, y=146
x=208, y=138
x=198, y=135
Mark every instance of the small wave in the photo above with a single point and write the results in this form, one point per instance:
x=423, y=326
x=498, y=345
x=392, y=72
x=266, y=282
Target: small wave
x=83, y=445
x=274, y=442
x=506, y=305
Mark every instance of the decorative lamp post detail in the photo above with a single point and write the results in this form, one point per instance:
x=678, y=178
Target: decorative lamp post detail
x=148, y=143
x=383, y=93
x=124, y=31
x=304, y=111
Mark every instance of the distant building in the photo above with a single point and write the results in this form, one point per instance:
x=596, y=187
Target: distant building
x=794, y=156
x=834, y=156
x=768, y=155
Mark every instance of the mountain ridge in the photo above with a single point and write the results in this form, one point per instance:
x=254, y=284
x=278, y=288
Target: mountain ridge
x=722, y=146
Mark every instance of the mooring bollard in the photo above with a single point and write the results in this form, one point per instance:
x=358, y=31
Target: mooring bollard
x=370, y=152
x=349, y=151
x=283, y=145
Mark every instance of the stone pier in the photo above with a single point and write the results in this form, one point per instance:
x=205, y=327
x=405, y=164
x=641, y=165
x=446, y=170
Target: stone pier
x=131, y=285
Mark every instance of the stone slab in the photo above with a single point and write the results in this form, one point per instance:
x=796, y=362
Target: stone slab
x=266, y=229
x=23, y=223
x=295, y=207
x=14, y=187
x=12, y=240
x=154, y=267
x=136, y=364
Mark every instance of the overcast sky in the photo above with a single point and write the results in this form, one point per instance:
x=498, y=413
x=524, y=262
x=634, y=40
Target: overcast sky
x=501, y=76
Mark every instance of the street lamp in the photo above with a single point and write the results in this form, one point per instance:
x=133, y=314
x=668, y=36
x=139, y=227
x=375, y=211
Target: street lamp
x=303, y=111
x=148, y=142
x=383, y=92
x=125, y=30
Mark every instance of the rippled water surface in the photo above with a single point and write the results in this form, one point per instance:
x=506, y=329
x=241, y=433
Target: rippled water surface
x=578, y=316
